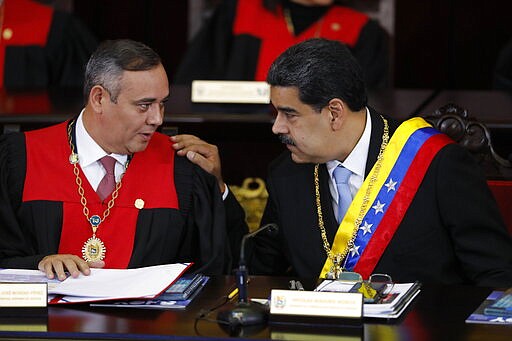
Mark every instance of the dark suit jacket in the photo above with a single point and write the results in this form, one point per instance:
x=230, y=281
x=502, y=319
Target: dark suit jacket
x=451, y=233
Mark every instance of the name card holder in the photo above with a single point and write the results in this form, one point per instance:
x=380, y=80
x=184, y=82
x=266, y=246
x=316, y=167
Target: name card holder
x=316, y=308
x=241, y=92
x=23, y=299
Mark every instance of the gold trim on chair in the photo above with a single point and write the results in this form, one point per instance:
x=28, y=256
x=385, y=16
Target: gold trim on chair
x=252, y=195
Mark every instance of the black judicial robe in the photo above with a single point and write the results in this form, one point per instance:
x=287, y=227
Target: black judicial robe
x=42, y=47
x=242, y=38
x=196, y=231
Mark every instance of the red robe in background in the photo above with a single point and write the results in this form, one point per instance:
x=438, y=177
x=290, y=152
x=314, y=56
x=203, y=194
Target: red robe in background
x=41, y=47
x=242, y=38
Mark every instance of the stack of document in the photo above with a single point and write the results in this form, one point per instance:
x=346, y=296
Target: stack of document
x=391, y=306
x=177, y=296
x=103, y=284
x=394, y=304
x=495, y=309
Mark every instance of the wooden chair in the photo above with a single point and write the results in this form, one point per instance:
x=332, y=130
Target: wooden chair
x=476, y=137
x=252, y=196
x=455, y=122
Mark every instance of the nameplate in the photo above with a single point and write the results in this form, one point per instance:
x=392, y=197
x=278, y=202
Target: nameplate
x=308, y=336
x=248, y=92
x=314, y=303
x=25, y=295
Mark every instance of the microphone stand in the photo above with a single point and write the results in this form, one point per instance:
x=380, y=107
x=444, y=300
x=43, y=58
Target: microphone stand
x=245, y=312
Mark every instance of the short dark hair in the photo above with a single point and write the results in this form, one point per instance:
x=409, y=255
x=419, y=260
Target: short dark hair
x=321, y=70
x=111, y=59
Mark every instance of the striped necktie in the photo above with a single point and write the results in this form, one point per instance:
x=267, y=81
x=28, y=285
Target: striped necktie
x=341, y=175
x=108, y=183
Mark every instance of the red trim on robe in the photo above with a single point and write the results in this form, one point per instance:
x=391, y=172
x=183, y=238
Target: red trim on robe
x=398, y=208
x=30, y=103
x=339, y=23
x=29, y=23
x=50, y=177
x=502, y=192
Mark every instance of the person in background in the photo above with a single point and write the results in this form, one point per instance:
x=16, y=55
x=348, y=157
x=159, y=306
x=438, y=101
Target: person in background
x=104, y=189
x=243, y=37
x=41, y=47
x=359, y=191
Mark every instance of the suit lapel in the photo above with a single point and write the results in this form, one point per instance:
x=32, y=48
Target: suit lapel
x=376, y=138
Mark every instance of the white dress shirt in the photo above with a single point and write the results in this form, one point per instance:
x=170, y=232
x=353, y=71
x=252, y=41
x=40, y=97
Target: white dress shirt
x=355, y=162
x=89, y=153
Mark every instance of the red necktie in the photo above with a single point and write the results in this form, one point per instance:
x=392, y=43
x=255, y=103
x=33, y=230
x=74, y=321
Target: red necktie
x=108, y=183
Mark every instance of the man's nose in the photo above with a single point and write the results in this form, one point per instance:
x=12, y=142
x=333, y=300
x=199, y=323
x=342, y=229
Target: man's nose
x=279, y=127
x=156, y=115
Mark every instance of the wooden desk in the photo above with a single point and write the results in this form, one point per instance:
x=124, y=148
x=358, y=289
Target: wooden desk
x=438, y=313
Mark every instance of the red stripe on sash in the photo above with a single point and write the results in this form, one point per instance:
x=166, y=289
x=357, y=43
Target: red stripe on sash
x=399, y=206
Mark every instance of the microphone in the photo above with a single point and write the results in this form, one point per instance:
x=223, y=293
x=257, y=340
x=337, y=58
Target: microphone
x=245, y=312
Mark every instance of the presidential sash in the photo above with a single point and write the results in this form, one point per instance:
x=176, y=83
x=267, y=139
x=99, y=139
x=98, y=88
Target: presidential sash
x=389, y=194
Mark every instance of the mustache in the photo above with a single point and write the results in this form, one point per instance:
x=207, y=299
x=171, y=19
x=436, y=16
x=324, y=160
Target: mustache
x=286, y=139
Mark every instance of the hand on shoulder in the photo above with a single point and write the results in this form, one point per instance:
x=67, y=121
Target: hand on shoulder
x=202, y=153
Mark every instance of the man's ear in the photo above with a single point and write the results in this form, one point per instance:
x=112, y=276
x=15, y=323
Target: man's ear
x=337, y=112
x=97, y=96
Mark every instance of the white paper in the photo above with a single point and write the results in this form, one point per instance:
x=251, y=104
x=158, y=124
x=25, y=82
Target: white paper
x=398, y=299
x=104, y=284
x=399, y=290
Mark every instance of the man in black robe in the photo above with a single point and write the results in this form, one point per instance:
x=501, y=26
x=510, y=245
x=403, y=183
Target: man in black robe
x=41, y=47
x=243, y=37
x=64, y=208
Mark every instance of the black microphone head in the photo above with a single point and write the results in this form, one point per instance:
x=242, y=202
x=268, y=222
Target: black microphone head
x=271, y=228
x=244, y=314
x=268, y=228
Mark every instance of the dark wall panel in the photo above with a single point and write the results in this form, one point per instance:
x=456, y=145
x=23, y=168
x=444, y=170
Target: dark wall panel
x=161, y=24
x=450, y=44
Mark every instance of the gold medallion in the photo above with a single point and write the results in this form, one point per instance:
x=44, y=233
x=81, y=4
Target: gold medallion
x=336, y=268
x=93, y=250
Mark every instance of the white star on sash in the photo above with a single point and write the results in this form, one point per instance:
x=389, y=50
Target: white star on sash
x=355, y=250
x=366, y=228
x=378, y=207
x=391, y=185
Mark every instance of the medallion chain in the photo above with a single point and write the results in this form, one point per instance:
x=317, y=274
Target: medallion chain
x=93, y=249
x=337, y=258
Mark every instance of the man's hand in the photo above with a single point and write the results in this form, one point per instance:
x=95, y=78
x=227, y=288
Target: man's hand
x=58, y=265
x=201, y=153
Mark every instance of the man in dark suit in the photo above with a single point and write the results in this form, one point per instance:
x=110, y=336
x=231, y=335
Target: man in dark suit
x=418, y=205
